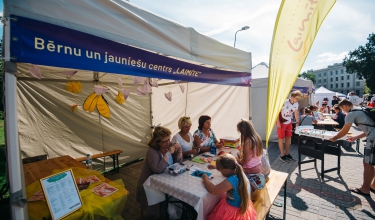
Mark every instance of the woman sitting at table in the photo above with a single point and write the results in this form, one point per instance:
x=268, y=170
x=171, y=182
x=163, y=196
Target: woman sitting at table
x=184, y=138
x=160, y=154
x=204, y=137
x=339, y=116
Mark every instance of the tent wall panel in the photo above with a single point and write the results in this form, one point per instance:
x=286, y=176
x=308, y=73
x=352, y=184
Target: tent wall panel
x=47, y=124
x=225, y=104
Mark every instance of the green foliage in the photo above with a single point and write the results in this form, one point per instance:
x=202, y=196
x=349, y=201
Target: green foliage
x=362, y=62
x=308, y=75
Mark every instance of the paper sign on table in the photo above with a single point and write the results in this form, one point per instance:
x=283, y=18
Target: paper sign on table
x=37, y=196
x=104, y=190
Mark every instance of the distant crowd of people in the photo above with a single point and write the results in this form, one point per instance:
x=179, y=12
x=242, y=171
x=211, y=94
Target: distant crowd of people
x=347, y=113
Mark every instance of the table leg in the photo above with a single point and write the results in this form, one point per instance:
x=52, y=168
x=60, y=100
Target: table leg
x=118, y=166
x=284, y=214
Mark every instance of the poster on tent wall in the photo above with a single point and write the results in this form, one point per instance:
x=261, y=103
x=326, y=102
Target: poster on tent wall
x=42, y=43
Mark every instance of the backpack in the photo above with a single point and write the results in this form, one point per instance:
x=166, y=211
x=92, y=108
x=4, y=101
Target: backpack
x=370, y=112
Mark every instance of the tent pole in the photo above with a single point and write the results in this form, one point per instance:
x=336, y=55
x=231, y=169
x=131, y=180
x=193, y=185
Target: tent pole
x=250, y=113
x=151, y=117
x=14, y=164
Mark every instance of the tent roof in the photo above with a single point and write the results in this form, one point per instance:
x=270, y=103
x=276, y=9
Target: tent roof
x=260, y=71
x=322, y=89
x=259, y=75
x=124, y=22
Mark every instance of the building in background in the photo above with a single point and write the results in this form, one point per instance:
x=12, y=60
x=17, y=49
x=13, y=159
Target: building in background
x=335, y=78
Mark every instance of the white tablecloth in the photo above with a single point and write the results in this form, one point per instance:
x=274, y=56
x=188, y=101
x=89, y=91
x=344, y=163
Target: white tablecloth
x=187, y=188
x=309, y=131
x=330, y=115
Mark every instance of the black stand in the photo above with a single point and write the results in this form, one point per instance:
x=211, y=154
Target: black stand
x=321, y=148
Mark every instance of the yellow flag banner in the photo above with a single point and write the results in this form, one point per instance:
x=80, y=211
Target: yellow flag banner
x=296, y=26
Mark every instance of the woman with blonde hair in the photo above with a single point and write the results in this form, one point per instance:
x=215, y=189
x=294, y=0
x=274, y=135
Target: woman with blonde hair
x=160, y=154
x=184, y=138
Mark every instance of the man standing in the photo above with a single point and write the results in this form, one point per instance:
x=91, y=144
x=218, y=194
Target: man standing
x=354, y=99
x=284, y=124
x=367, y=126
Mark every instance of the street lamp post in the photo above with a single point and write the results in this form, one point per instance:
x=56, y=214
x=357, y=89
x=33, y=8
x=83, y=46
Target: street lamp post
x=242, y=29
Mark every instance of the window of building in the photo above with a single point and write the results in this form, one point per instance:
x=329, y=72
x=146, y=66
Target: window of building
x=357, y=92
x=342, y=71
x=342, y=77
x=325, y=74
x=348, y=84
x=337, y=72
x=348, y=76
x=320, y=75
x=342, y=85
x=337, y=85
x=337, y=78
x=324, y=80
x=331, y=86
x=357, y=83
x=331, y=79
x=356, y=76
x=319, y=81
x=331, y=73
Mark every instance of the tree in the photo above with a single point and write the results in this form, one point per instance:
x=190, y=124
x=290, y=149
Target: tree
x=308, y=75
x=362, y=62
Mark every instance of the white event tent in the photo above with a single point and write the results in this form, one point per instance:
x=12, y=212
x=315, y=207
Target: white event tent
x=322, y=93
x=259, y=91
x=38, y=114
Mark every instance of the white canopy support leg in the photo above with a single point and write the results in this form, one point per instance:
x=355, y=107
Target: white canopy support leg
x=15, y=180
x=14, y=162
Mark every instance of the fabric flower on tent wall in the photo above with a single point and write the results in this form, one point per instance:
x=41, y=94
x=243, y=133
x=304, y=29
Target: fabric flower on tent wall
x=97, y=100
x=73, y=86
x=168, y=95
x=182, y=87
x=35, y=71
x=142, y=90
x=123, y=93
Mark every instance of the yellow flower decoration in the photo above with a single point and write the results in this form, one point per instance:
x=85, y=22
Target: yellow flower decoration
x=74, y=87
x=120, y=98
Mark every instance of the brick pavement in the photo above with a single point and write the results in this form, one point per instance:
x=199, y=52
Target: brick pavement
x=308, y=197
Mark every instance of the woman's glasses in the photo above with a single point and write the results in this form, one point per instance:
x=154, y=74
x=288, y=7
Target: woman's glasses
x=166, y=141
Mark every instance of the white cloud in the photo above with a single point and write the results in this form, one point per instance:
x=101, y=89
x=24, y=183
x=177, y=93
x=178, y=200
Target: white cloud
x=331, y=57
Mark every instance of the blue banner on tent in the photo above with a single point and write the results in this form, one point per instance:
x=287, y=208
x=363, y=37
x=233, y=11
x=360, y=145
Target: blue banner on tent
x=42, y=43
x=302, y=89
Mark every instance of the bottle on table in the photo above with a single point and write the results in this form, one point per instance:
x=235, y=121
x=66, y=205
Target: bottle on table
x=88, y=162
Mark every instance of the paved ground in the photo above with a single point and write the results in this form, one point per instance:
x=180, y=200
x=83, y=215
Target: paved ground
x=308, y=197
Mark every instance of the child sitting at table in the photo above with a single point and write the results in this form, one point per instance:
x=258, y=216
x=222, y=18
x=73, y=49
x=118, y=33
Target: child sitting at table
x=307, y=119
x=236, y=204
x=339, y=117
x=324, y=109
x=251, y=152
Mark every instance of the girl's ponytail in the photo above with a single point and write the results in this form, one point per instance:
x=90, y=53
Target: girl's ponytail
x=242, y=189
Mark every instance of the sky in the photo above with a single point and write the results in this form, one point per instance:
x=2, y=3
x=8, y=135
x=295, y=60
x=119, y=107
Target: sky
x=346, y=27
